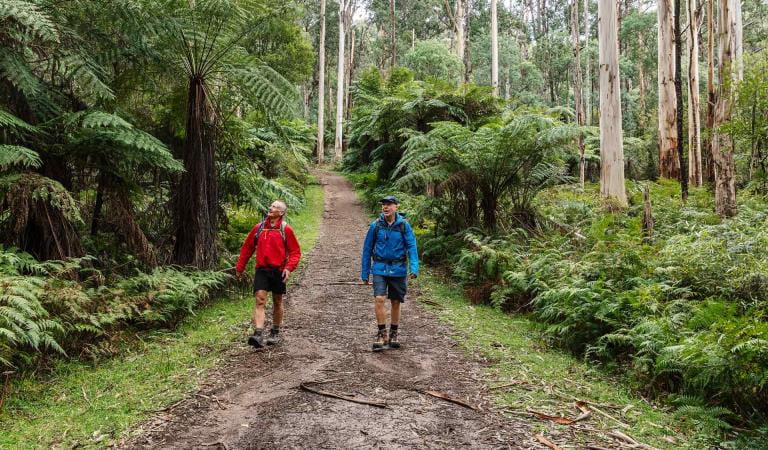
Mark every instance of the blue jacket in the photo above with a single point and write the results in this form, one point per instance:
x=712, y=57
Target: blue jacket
x=389, y=249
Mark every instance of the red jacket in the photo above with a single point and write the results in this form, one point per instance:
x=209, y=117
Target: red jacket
x=270, y=251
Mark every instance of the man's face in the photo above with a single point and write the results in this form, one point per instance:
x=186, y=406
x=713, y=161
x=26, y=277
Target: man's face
x=388, y=208
x=275, y=210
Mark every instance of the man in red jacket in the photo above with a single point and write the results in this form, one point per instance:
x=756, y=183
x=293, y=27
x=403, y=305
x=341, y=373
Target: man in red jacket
x=277, y=255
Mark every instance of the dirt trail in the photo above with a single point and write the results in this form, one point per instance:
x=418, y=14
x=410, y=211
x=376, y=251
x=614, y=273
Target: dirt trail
x=254, y=401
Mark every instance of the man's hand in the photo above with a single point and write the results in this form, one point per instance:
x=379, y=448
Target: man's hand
x=413, y=275
x=286, y=274
x=365, y=281
x=239, y=276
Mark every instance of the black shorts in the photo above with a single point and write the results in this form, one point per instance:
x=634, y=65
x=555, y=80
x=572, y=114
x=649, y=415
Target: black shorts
x=268, y=279
x=393, y=287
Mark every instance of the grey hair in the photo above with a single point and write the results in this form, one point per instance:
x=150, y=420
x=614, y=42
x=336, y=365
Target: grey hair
x=281, y=204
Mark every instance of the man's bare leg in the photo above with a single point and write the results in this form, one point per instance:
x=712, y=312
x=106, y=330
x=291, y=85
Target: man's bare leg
x=277, y=310
x=395, y=314
x=258, y=310
x=380, y=310
x=393, y=324
x=277, y=319
x=258, y=320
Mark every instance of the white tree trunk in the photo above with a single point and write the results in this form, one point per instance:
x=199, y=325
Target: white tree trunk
x=587, y=75
x=392, y=33
x=461, y=13
x=337, y=147
x=494, y=48
x=694, y=103
x=321, y=89
x=722, y=146
x=577, y=103
x=611, y=139
x=669, y=165
x=738, y=40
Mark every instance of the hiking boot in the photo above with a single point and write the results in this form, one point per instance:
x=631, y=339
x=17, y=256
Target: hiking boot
x=381, y=341
x=257, y=339
x=274, y=337
x=393, y=342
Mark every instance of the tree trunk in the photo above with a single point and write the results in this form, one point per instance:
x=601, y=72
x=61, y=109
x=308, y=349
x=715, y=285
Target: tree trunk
x=669, y=165
x=122, y=218
x=694, y=112
x=337, y=147
x=709, y=171
x=738, y=40
x=350, y=72
x=722, y=145
x=494, y=48
x=459, y=27
x=611, y=145
x=641, y=85
x=467, y=50
x=392, y=35
x=679, y=98
x=587, y=71
x=489, y=204
x=196, y=205
x=321, y=89
x=577, y=103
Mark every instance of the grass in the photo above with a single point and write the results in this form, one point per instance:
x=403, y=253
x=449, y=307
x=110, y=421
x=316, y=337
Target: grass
x=546, y=380
x=97, y=404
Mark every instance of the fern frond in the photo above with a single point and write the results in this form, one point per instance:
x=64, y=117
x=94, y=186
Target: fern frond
x=16, y=155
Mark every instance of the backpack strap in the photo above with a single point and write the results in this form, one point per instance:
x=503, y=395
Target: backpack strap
x=282, y=235
x=376, y=235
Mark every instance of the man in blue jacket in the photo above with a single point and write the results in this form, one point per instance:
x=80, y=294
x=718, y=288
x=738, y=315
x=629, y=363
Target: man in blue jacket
x=390, y=243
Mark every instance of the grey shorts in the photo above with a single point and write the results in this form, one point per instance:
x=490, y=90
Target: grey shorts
x=393, y=287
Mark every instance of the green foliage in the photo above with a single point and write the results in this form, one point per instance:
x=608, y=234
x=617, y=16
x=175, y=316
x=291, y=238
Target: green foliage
x=43, y=306
x=514, y=159
x=432, y=59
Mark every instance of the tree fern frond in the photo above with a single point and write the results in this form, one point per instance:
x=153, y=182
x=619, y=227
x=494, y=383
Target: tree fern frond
x=29, y=18
x=8, y=120
x=16, y=155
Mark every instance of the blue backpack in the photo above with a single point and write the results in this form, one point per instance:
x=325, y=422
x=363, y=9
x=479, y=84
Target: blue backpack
x=380, y=224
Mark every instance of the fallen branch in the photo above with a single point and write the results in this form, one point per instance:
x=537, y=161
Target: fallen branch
x=306, y=387
x=585, y=414
x=431, y=303
x=547, y=442
x=605, y=414
x=557, y=419
x=211, y=444
x=502, y=386
x=571, y=397
x=446, y=397
x=629, y=440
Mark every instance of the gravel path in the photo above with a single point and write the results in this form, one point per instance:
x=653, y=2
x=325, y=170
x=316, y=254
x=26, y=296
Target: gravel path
x=255, y=400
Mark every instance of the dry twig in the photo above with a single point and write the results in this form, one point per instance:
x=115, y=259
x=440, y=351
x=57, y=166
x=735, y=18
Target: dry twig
x=446, y=397
x=306, y=387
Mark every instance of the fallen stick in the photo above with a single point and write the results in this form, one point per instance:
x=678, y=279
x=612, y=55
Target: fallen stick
x=605, y=414
x=445, y=397
x=306, y=387
x=629, y=440
x=571, y=397
x=211, y=444
x=547, y=442
x=502, y=386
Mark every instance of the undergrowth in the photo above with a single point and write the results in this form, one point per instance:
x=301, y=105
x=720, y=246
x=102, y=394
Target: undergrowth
x=684, y=316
